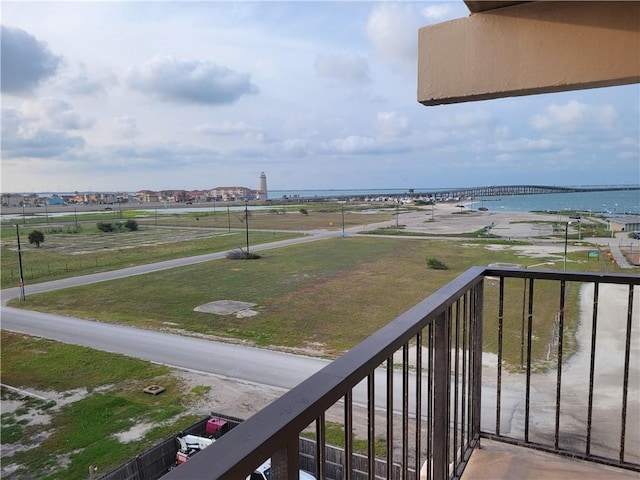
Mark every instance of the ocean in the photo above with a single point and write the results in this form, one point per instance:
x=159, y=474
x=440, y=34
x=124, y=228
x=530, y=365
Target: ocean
x=612, y=202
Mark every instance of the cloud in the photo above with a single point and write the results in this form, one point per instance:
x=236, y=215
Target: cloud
x=23, y=139
x=572, y=115
x=476, y=119
x=126, y=127
x=56, y=114
x=391, y=28
x=525, y=145
x=81, y=84
x=190, y=81
x=234, y=129
x=224, y=128
x=26, y=62
x=358, y=145
x=438, y=13
x=347, y=69
x=390, y=124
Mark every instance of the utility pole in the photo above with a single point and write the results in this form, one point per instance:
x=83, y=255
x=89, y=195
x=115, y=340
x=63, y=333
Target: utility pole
x=246, y=225
x=21, y=280
x=342, y=219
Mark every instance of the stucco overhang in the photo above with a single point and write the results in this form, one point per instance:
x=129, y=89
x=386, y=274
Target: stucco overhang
x=521, y=48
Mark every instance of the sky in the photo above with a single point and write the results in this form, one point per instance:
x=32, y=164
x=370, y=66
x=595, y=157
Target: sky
x=131, y=95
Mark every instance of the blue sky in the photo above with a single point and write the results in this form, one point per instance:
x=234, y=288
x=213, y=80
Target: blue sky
x=123, y=96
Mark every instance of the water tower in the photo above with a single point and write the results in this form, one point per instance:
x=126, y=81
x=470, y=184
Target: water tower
x=262, y=189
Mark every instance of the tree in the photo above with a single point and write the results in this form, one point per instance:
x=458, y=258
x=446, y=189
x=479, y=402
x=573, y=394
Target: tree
x=36, y=237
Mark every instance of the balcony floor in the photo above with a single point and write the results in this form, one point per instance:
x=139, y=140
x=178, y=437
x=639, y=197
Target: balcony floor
x=501, y=461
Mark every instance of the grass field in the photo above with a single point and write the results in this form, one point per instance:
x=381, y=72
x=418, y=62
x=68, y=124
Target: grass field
x=81, y=432
x=74, y=247
x=325, y=296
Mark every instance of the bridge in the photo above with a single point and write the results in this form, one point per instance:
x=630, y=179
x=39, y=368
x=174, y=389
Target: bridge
x=505, y=190
x=487, y=191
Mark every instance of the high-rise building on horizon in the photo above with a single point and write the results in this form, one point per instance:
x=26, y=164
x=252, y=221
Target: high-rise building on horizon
x=262, y=189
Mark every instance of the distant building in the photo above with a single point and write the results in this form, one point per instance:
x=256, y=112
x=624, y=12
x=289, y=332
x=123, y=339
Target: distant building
x=262, y=189
x=55, y=200
x=627, y=223
x=231, y=193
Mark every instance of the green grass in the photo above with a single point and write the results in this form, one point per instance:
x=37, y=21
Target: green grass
x=334, y=436
x=328, y=295
x=83, y=431
x=67, y=255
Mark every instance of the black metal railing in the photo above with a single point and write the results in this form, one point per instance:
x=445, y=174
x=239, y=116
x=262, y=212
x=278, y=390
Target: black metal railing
x=583, y=399
x=411, y=397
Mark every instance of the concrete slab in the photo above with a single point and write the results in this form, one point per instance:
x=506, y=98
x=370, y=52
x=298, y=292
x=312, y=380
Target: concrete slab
x=497, y=460
x=224, y=307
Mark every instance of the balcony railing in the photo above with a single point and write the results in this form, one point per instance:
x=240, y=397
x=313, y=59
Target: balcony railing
x=560, y=374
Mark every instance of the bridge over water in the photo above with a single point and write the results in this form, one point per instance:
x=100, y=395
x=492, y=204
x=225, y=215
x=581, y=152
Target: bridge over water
x=492, y=191
x=505, y=190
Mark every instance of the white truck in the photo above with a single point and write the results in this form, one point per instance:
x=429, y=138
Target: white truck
x=263, y=472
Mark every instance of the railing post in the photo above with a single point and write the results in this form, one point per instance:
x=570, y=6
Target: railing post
x=286, y=460
x=441, y=398
x=477, y=358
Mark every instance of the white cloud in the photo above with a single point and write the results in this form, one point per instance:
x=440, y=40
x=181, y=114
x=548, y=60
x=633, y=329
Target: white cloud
x=347, y=69
x=438, y=12
x=56, y=114
x=572, y=115
x=225, y=128
x=392, y=29
x=21, y=138
x=26, y=61
x=126, y=128
x=391, y=124
x=190, y=81
x=524, y=145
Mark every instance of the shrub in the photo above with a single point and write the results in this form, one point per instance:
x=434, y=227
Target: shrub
x=304, y=211
x=436, y=264
x=105, y=226
x=132, y=225
x=36, y=237
x=240, y=254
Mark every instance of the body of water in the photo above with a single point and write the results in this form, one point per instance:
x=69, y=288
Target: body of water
x=609, y=202
x=618, y=202
x=612, y=202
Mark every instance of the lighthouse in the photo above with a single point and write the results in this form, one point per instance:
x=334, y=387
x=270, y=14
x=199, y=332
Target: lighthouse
x=262, y=189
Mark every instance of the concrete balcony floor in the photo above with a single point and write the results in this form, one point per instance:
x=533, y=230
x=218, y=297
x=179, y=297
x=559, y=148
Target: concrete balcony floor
x=501, y=461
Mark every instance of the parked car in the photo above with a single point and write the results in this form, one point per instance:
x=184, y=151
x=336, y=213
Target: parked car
x=263, y=472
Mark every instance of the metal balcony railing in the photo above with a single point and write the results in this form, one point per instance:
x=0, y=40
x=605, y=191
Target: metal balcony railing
x=561, y=374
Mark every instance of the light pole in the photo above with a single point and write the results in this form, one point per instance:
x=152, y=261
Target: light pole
x=342, y=219
x=21, y=280
x=566, y=239
x=246, y=225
